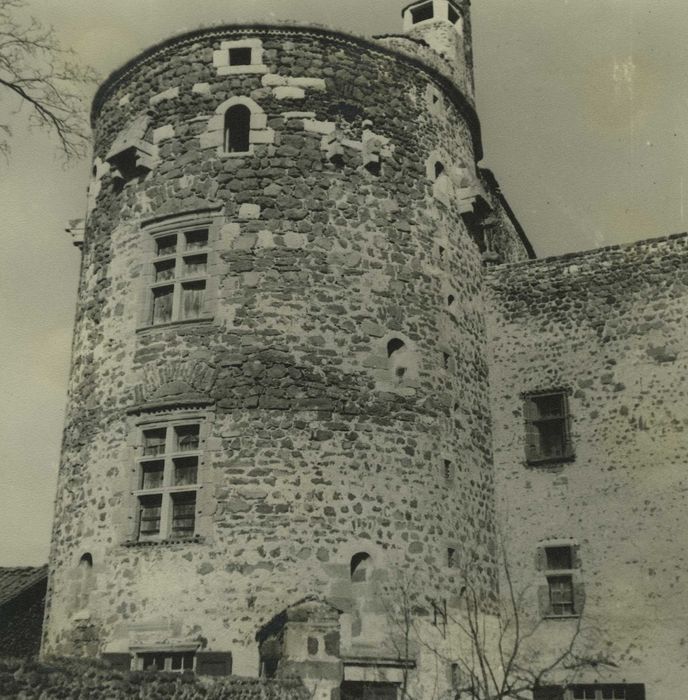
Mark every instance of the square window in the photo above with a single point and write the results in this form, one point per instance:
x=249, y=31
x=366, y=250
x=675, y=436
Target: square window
x=196, y=239
x=164, y=270
x=185, y=471
x=240, y=56
x=195, y=265
x=547, y=427
x=152, y=474
x=559, y=557
x=187, y=437
x=166, y=245
x=153, y=442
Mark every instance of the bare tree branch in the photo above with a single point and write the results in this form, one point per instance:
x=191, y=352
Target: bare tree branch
x=44, y=78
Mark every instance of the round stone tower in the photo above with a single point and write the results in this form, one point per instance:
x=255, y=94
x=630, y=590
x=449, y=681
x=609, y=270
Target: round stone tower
x=278, y=406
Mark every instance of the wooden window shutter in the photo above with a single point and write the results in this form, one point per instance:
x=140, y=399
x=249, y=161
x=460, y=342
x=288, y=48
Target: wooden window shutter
x=578, y=598
x=213, y=663
x=119, y=662
x=544, y=604
x=548, y=692
x=635, y=691
x=532, y=433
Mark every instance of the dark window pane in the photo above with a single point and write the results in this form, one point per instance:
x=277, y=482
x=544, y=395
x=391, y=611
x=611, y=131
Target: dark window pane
x=550, y=405
x=164, y=270
x=196, y=239
x=166, y=245
x=195, y=264
x=453, y=14
x=193, y=299
x=153, y=442
x=240, y=57
x=149, y=515
x=153, y=662
x=558, y=557
x=552, y=437
x=420, y=14
x=187, y=437
x=162, y=304
x=237, y=129
x=183, y=513
x=185, y=471
x=152, y=474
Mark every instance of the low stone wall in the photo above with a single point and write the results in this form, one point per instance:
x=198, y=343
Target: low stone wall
x=66, y=678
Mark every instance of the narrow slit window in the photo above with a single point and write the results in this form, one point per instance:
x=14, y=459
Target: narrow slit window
x=237, y=129
x=439, y=169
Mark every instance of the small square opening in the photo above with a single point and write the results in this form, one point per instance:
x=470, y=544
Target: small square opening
x=559, y=557
x=240, y=57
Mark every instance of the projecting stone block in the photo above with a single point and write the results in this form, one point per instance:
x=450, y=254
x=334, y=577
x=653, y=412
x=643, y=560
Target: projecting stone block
x=289, y=93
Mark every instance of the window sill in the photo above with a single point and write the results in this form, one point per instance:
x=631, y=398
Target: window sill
x=546, y=461
x=196, y=539
x=202, y=320
x=574, y=616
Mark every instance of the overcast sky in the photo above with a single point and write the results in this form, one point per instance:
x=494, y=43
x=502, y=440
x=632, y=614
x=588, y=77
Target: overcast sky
x=583, y=105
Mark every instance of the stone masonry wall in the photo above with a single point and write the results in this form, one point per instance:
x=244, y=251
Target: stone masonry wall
x=609, y=326
x=328, y=242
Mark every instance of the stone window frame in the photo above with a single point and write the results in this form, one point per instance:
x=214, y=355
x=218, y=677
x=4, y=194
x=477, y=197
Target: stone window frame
x=533, y=418
x=168, y=418
x=571, y=575
x=259, y=133
x=179, y=225
x=223, y=62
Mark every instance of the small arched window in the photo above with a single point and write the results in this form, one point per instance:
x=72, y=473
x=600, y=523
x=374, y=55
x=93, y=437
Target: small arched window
x=439, y=169
x=394, y=345
x=237, y=129
x=360, y=567
x=86, y=561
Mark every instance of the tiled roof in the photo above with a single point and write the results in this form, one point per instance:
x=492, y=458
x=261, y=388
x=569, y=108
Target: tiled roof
x=16, y=580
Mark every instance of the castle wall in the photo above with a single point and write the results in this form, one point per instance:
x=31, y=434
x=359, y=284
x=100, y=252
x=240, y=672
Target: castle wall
x=326, y=241
x=610, y=327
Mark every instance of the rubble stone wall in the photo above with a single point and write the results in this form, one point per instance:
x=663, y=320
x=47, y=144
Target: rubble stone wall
x=327, y=244
x=610, y=327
